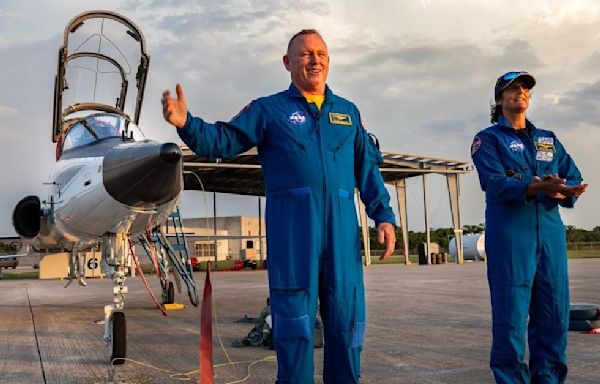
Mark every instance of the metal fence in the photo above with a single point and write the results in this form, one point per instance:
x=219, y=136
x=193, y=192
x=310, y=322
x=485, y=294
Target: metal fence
x=584, y=246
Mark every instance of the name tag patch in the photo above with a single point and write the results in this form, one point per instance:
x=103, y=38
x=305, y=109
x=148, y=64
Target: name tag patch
x=544, y=156
x=544, y=147
x=340, y=118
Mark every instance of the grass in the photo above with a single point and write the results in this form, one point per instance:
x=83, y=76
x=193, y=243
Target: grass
x=414, y=259
x=584, y=254
x=20, y=275
x=224, y=265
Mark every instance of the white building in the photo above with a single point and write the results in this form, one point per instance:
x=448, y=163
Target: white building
x=237, y=238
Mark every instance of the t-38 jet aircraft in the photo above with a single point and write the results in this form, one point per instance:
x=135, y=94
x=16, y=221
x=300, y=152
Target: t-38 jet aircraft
x=109, y=184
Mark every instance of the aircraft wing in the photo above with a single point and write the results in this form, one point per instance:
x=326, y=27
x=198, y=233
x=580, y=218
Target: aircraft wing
x=2, y=257
x=216, y=237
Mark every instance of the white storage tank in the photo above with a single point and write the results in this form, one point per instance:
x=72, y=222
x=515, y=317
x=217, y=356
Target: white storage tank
x=473, y=246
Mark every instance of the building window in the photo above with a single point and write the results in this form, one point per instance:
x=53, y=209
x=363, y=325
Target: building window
x=204, y=249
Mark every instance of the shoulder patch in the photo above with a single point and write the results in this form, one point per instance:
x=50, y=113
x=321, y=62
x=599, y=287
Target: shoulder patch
x=476, y=144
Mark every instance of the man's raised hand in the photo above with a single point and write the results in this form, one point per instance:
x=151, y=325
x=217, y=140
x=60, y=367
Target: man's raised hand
x=175, y=110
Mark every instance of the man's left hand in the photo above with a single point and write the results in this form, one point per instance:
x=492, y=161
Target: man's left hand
x=386, y=234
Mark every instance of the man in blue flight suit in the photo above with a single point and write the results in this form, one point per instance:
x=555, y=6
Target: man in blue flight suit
x=314, y=151
x=526, y=174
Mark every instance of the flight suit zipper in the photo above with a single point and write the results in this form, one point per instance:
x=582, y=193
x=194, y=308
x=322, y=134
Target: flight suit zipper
x=534, y=168
x=316, y=114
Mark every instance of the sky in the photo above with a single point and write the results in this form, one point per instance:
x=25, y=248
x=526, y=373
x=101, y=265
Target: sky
x=421, y=72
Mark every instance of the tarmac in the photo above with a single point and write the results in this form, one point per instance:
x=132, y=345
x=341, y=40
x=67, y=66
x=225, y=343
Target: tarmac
x=426, y=324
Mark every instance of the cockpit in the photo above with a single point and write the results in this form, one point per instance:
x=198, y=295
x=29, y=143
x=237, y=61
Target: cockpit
x=95, y=128
x=98, y=88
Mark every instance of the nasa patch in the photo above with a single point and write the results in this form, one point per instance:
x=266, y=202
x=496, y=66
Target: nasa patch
x=297, y=118
x=516, y=146
x=476, y=144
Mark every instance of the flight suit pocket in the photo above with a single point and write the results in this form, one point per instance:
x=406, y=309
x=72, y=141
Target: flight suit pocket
x=346, y=214
x=342, y=149
x=292, y=331
x=510, y=304
x=345, y=318
x=290, y=314
x=358, y=335
x=553, y=304
x=547, y=168
x=291, y=211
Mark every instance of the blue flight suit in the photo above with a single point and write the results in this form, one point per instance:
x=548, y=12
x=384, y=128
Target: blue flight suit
x=525, y=243
x=311, y=160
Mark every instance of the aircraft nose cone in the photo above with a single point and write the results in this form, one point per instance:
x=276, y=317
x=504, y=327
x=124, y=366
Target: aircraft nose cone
x=170, y=153
x=143, y=174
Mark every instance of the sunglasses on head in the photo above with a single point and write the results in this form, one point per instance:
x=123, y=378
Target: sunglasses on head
x=510, y=76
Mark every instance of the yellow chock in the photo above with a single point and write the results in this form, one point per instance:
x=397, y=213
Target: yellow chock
x=173, y=307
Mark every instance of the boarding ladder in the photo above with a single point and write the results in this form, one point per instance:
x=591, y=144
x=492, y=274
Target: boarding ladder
x=174, y=251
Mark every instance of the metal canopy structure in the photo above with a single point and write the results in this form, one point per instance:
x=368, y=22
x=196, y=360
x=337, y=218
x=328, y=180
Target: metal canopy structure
x=242, y=175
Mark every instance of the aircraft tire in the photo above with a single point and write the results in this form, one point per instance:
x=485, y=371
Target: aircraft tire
x=584, y=311
x=118, y=350
x=583, y=325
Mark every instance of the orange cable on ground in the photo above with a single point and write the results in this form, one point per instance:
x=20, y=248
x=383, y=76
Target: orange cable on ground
x=205, y=353
x=141, y=273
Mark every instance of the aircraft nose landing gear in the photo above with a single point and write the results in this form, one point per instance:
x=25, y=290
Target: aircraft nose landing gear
x=115, y=334
x=115, y=328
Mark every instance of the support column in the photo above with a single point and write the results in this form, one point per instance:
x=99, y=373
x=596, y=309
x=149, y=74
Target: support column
x=215, y=227
x=401, y=197
x=364, y=227
x=428, y=245
x=260, y=238
x=454, y=193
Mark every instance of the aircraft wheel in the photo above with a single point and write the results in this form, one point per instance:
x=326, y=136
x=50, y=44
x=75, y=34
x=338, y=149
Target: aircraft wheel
x=584, y=311
x=118, y=343
x=583, y=325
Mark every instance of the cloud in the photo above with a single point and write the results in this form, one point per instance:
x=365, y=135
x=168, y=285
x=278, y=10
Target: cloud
x=572, y=108
x=575, y=11
x=422, y=73
x=7, y=111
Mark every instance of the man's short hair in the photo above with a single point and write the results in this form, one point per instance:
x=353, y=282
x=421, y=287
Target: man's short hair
x=304, y=32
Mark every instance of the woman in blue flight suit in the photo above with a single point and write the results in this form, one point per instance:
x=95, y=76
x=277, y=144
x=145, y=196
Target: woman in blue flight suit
x=526, y=174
